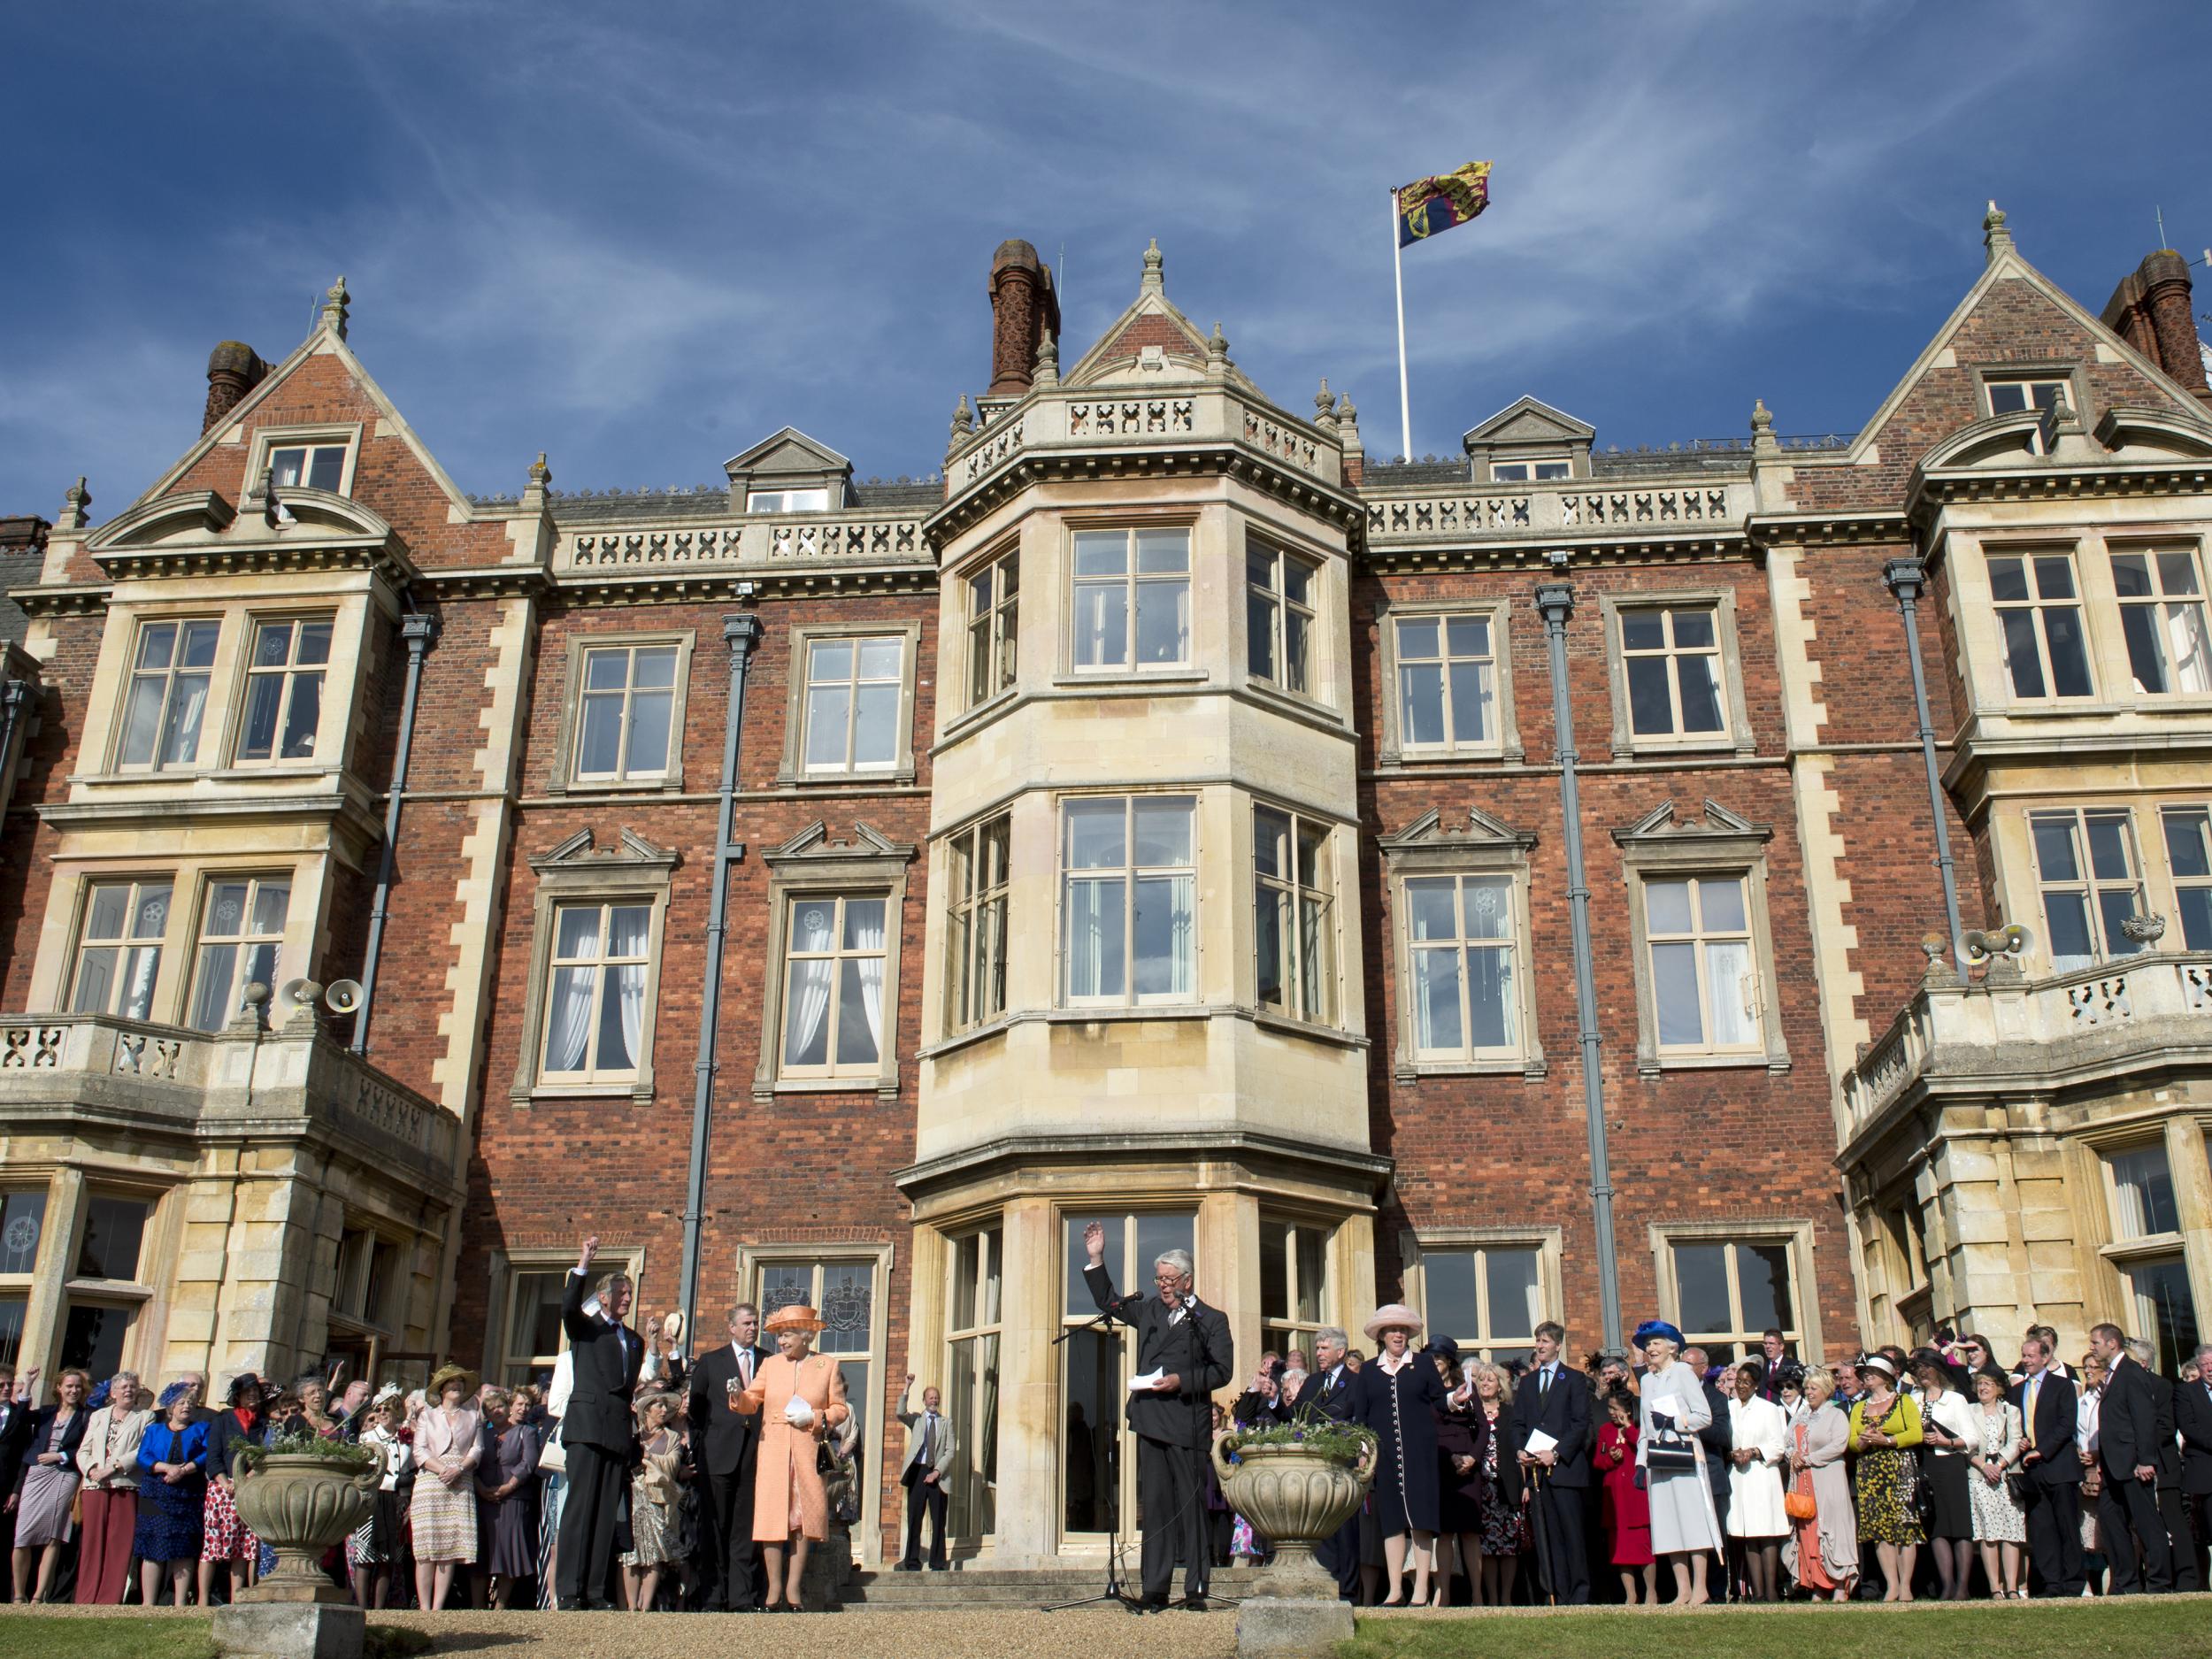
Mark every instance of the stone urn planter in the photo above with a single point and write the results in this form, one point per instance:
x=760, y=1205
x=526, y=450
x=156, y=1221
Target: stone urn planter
x=1294, y=1497
x=300, y=1503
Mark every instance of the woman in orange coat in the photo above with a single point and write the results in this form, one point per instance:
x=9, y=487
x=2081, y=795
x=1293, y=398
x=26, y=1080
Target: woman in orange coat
x=802, y=1397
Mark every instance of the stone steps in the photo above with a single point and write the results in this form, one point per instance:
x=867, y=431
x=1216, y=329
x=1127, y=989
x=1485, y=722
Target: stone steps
x=1001, y=1588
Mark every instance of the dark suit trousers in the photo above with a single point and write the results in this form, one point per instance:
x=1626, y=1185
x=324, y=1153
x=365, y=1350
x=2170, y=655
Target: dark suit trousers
x=2054, y=1539
x=596, y=1479
x=1171, y=1494
x=730, y=1498
x=924, y=1497
x=1339, y=1555
x=2129, y=1503
x=2173, y=1509
x=1565, y=1543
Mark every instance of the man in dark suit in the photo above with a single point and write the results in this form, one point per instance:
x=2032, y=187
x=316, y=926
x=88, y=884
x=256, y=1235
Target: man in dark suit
x=1326, y=1393
x=1554, y=1401
x=597, y=1433
x=2192, y=1418
x=2127, y=1449
x=15, y=1439
x=2053, y=1465
x=2181, y=1545
x=1187, y=1345
x=729, y=1445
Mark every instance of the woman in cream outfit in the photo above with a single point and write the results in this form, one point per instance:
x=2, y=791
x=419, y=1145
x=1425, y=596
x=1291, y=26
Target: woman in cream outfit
x=1757, y=1436
x=801, y=1397
x=1683, y=1524
x=108, y=1458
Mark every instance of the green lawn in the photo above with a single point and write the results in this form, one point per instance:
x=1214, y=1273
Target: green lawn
x=30, y=1636
x=1974, y=1631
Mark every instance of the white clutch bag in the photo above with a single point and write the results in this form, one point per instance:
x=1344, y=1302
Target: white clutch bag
x=798, y=1414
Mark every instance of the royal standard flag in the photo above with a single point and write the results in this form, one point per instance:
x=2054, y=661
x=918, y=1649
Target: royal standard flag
x=1428, y=205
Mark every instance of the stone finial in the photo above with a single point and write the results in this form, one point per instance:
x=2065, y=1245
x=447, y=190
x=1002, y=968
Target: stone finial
x=1995, y=237
x=963, y=427
x=74, y=503
x=1763, y=442
x=541, y=475
x=1048, y=360
x=1325, y=407
x=1217, y=354
x=1154, y=282
x=336, y=307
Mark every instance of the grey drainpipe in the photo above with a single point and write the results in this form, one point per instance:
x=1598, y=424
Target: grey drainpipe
x=418, y=631
x=1554, y=602
x=14, y=700
x=742, y=633
x=1905, y=578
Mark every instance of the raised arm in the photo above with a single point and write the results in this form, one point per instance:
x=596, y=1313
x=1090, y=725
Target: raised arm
x=1101, y=1282
x=573, y=1320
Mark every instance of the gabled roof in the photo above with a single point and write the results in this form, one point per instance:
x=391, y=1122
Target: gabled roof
x=1152, y=320
x=788, y=450
x=1528, y=420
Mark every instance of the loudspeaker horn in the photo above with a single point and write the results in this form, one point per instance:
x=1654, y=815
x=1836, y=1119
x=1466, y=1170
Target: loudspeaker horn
x=343, y=996
x=304, y=993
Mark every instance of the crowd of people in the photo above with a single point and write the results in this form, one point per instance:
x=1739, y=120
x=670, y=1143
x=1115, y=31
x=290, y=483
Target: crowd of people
x=1896, y=1476
x=640, y=1481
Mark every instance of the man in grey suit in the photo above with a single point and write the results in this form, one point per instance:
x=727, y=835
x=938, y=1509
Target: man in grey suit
x=929, y=1453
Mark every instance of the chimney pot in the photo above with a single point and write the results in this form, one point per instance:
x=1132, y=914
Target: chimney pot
x=234, y=369
x=1024, y=310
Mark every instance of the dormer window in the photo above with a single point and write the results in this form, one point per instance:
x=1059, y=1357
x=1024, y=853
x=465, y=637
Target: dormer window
x=2013, y=395
x=787, y=501
x=308, y=465
x=1526, y=471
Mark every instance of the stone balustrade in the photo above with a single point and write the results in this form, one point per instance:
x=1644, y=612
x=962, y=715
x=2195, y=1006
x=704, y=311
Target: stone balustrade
x=298, y=1078
x=1175, y=413
x=1568, y=507
x=768, y=542
x=2003, y=1034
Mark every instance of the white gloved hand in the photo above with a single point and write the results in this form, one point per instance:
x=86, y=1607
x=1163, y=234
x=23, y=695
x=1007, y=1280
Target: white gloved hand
x=798, y=1414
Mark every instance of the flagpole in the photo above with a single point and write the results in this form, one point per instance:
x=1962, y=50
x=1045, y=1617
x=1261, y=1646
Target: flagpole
x=1398, y=268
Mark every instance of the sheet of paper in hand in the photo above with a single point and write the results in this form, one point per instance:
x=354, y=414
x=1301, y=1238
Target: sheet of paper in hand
x=1146, y=1383
x=1542, y=1441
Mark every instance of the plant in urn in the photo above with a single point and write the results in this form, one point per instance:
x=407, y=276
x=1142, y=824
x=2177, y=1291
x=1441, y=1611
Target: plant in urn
x=303, y=1494
x=1297, y=1482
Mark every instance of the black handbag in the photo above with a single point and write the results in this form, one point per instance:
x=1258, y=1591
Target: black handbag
x=2017, y=1486
x=825, y=1459
x=1667, y=1450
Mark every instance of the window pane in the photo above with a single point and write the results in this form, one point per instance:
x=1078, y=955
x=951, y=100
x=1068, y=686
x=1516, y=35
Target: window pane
x=1271, y=842
x=301, y=716
x=284, y=466
x=1469, y=636
x=1649, y=711
x=2165, y=1312
x=606, y=671
x=860, y=1011
x=2143, y=1183
x=93, y=1338
x=1269, y=912
x=96, y=981
x=1436, y=1001
x=329, y=464
x=314, y=646
x=2132, y=576
x=1163, y=622
x=2114, y=906
x=876, y=726
x=576, y=932
x=1417, y=636
x=1274, y=1270
x=270, y=900
x=1429, y=908
x=534, y=1330
x=113, y=1231
x=880, y=659
x=1102, y=625
x=1447, y=1281
x=617, y=1011
x=2108, y=848
x=1674, y=989
x=1667, y=907
x=1693, y=629
x=1720, y=905
x=2066, y=915
x=827, y=709
x=2196, y=905
x=1100, y=552
x=1163, y=936
x=1095, y=946
x=1701, y=1275
x=2006, y=398
x=212, y=997
x=22, y=1225
x=599, y=743
x=1421, y=701
x=1312, y=1273
x=806, y=1014
x=1163, y=831
x=141, y=719
x=1644, y=630
x=1162, y=552
x=2054, y=849
x=12, y=1311
x=1516, y=1303
x=1489, y=906
x=1762, y=1280
x=1471, y=703
x=181, y=721
x=2186, y=850
x=2020, y=660
x=1297, y=650
x=648, y=731
x=1728, y=992
x=1259, y=635
x=829, y=661
x=654, y=667
x=2146, y=661
x=2054, y=577
x=1490, y=997
x=1699, y=679
x=1096, y=834
x=848, y=1308
x=2069, y=656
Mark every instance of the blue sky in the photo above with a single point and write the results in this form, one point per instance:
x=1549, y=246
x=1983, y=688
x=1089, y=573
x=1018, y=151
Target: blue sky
x=640, y=236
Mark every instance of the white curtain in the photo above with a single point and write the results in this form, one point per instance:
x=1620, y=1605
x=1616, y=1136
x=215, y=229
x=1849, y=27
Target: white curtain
x=867, y=932
x=629, y=934
x=138, y=994
x=2192, y=652
x=1728, y=993
x=568, y=1021
x=189, y=696
x=1093, y=907
x=813, y=925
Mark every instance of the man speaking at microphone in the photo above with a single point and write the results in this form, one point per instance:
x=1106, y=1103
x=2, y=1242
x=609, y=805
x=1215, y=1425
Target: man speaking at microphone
x=1183, y=1349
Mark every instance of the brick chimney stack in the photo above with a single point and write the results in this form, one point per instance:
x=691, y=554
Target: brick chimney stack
x=1024, y=307
x=234, y=369
x=2151, y=311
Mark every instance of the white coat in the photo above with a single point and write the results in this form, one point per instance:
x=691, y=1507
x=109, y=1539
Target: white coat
x=1755, y=1489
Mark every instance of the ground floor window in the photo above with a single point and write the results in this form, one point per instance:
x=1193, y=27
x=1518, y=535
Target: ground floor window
x=1488, y=1298
x=842, y=1290
x=2165, y=1312
x=1294, y=1300
x=972, y=1383
x=1728, y=1293
x=1097, y=1482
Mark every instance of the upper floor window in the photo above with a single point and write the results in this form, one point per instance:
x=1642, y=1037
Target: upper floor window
x=594, y=1016
x=2189, y=861
x=1704, y=974
x=1447, y=682
x=118, y=949
x=284, y=690
x=1130, y=876
x=241, y=936
x=1673, y=664
x=1132, y=598
x=833, y=973
x=2162, y=616
x=368, y=1268
x=2012, y=394
x=993, y=615
x=307, y=465
x=168, y=693
x=2039, y=609
x=1524, y=472
x=1294, y=921
x=627, y=703
x=1461, y=935
x=787, y=499
x=854, y=689
x=2143, y=1204
x=975, y=989
x=114, y=1237
x=1281, y=590
x=2086, y=866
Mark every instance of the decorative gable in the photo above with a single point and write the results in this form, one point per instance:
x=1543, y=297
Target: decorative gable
x=1716, y=829
x=813, y=846
x=1483, y=831
x=1528, y=430
x=787, y=460
x=632, y=852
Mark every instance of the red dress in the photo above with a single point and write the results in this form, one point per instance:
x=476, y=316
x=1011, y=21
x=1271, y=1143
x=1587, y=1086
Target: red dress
x=1627, y=1510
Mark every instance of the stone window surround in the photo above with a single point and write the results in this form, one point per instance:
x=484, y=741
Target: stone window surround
x=1793, y=1231
x=791, y=769
x=1391, y=749
x=234, y=728
x=1723, y=844
x=2089, y=1150
x=1131, y=1004
x=79, y=888
x=226, y=671
x=1174, y=518
x=573, y=873
x=1721, y=600
x=268, y=439
x=1332, y=826
x=1005, y=551
x=380, y=1231
x=811, y=863
x=507, y=1266
x=1328, y=603
x=1547, y=1242
x=565, y=780
x=133, y=1295
x=2070, y=370
x=946, y=1020
x=1487, y=846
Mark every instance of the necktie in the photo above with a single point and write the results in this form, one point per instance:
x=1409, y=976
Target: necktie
x=2033, y=1383
x=745, y=1366
x=1543, y=1385
x=929, y=1430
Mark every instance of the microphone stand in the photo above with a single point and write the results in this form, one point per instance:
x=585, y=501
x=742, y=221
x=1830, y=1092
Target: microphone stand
x=1114, y=1592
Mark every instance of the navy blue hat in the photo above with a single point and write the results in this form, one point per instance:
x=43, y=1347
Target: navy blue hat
x=1448, y=1348
x=1650, y=1328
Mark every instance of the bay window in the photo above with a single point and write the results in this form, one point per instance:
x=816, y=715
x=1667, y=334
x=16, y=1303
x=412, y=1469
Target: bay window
x=1129, y=885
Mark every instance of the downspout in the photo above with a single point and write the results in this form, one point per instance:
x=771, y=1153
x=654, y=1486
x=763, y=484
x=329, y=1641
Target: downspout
x=1905, y=578
x=19, y=696
x=742, y=632
x=1554, y=602
x=418, y=631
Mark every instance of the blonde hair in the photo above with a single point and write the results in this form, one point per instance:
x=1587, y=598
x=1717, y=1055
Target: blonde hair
x=1819, y=1374
x=1475, y=1368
